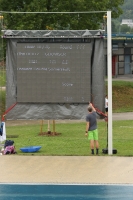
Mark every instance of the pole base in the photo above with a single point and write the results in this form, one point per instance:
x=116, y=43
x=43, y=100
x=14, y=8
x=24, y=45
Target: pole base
x=105, y=151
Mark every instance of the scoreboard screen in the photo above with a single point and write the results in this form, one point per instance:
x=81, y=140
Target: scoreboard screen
x=53, y=72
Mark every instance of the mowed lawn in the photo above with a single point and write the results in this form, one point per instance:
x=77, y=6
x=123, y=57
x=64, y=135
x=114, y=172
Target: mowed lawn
x=71, y=141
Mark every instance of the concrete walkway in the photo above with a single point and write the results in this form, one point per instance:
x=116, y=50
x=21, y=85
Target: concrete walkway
x=66, y=169
x=122, y=116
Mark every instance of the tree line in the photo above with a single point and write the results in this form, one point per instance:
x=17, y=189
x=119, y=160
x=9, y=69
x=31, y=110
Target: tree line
x=127, y=8
x=58, y=21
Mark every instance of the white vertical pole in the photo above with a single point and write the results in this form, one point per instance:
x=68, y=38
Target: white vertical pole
x=109, y=61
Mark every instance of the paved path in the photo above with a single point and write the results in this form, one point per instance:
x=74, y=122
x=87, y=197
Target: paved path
x=123, y=116
x=115, y=117
x=128, y=77
x=66, y=169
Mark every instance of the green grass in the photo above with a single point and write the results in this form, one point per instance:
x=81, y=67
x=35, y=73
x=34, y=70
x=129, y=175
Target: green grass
x=122, y=96
x=2, y=102
x=72, y=140
x=2, y=78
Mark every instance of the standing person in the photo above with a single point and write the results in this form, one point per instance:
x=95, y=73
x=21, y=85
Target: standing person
x=106, y=105
x=91, y=129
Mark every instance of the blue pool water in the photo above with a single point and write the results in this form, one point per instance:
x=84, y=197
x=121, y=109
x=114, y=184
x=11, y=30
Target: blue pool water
x=65, y=192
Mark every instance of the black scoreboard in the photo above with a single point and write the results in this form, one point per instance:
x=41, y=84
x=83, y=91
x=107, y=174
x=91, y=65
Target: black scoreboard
x=54, y=72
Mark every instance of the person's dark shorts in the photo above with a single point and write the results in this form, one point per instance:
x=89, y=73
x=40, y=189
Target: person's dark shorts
x=106, y=109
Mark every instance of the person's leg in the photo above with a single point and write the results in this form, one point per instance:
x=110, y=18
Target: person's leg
x=97, y=146
x=92, y=146
x=91, y=138
x=96, y=140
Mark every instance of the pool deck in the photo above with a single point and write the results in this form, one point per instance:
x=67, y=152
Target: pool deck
x=66, y=169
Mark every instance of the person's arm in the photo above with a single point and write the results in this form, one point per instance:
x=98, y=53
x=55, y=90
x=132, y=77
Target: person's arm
x=87, y=128
x=92, y=107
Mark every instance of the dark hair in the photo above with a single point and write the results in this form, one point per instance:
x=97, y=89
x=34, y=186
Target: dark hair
x=90, y=109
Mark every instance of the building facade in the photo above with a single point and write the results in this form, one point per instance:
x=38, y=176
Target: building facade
x=122, y=54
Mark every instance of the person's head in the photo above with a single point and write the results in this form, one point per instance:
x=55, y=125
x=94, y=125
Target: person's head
x=90, y=108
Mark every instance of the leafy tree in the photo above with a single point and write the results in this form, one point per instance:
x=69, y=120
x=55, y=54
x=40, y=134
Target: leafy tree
x=127, y=8
x=39, y=21
x=125, y=28
x=131, y=31
x=114, y=27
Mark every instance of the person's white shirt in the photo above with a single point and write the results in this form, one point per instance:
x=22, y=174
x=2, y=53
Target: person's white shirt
x=3, y=137
x=106, y=102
